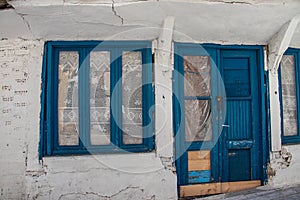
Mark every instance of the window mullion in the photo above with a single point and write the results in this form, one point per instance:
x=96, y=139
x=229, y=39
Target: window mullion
x=147, y=98
x=83, y=98
x=119, y=129
x=116, y=97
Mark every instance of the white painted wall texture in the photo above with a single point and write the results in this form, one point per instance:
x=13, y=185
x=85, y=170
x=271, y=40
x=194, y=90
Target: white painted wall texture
x=112, y=176
x=20, y=80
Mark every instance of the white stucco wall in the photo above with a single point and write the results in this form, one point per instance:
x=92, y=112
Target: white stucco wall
x=20, y=80
x=136, y=176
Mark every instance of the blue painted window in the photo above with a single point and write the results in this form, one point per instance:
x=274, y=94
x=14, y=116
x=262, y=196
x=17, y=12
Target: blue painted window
x=96, y=97
x=289, y=81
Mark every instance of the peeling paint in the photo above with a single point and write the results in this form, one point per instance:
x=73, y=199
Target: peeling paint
x=270, y=171
x=286, y=158
x=281, y=159
x=284, y=166
x=168, y=164
x=35, y=173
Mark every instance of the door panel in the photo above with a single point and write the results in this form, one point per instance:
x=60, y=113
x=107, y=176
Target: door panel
x=236, y=76
x=240, y=129
x=239, y=165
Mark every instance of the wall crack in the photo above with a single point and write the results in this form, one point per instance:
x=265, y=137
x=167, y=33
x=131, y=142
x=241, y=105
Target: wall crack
x=25, y=21
x=115, y=12
x=231, y=2
x=81, y=194
x=81, y=171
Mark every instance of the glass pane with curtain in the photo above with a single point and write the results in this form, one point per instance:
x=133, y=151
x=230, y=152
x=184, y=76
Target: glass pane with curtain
x=198, y=120
x=289, y=101
x=68, y=126
x=132, y=97
x=100, y=97
x=197, y=75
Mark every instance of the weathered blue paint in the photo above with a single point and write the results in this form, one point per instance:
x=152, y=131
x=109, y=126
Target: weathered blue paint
x=296, y=138
x=199, y=176
x=240, y=144
x=49, y=114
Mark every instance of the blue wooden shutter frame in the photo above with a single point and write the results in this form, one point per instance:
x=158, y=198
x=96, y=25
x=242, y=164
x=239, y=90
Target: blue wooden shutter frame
x=48, y=144
x=295, y=138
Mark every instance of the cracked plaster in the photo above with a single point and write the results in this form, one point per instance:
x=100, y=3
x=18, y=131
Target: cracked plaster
x=284, y=166
x=203, y=21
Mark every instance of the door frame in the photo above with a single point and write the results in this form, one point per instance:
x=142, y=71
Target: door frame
x=262, y=104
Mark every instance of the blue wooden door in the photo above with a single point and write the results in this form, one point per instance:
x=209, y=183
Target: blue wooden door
x=213, y=145
x=240, y=139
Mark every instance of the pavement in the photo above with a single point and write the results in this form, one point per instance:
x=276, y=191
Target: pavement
x=287, y=192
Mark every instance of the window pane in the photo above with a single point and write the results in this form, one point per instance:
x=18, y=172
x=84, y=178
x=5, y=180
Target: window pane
x=132, y=97
x=100, y=97
x=198, y=120
x=196, y=76
x=68, y=98
x=289, y=101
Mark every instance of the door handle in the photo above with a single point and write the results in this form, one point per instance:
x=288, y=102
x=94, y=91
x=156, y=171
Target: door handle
x=225, y=125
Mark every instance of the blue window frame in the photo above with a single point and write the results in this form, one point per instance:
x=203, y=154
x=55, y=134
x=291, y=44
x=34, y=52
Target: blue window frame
x=289, y=80
x=96, y=97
